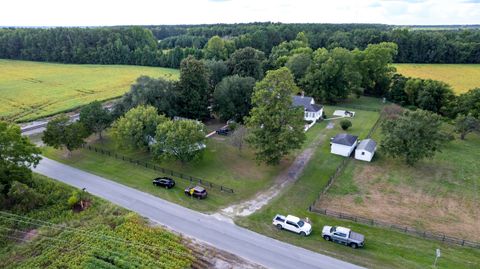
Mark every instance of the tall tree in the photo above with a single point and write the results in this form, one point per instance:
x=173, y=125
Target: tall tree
x=276, y=127
x=247, y=62
x=298, y=65
x=232, y=97
x=193, y=85
x=468, y=103
x=215, y=49
x=17, y=155
x=413, y=136
x=136, y=129
x=332, y=76
x=217, y=70
x=95, y=118
x=61, y=133
x=182, y=140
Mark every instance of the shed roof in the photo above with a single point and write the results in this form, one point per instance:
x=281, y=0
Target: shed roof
x=367, y=145
x=345, y=139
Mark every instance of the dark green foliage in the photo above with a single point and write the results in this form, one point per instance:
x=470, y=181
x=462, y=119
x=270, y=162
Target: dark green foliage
x=247, y=62
x=413, y=136
x=397, y=92
x=298, y=65
x=95, y=118
x=217, y=70
x=194, y=89
x=60, y=132
x=275, y=126
x=468, y=103
x=159, y=93
x=232, y=97
x=466, y=124
x=22, y=198
x=345, y=124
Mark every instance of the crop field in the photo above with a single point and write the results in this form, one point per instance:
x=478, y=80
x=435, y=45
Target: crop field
x=29, y=90
x=462, y=77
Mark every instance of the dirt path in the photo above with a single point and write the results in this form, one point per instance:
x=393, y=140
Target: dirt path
x=286, y=178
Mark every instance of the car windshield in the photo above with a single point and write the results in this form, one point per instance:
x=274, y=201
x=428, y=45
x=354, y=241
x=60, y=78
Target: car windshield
x=333, y=229
x=301, y=223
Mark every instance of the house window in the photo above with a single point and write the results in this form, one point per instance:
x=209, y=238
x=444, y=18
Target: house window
x=363, y=152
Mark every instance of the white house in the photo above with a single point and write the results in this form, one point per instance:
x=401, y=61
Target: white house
x=313, y=112
x=343, y=144
x=365, y=150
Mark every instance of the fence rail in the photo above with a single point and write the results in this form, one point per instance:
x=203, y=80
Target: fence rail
x=405, y=229
x=165, y=171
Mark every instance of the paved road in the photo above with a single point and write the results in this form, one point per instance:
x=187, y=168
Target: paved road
x=252, y=246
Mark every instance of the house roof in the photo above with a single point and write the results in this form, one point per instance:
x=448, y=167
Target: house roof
x=345, y=139
x=306, y=102
x=367, y=145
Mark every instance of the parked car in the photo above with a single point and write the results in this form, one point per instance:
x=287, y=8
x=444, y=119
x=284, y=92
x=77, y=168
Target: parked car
x=293, y=224
x=223, y=131
x=343, y=235
x=197, y=192
x=165, y=182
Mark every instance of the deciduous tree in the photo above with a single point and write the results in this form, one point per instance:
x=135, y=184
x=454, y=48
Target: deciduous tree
x=247, y=62
x=232, y=97
x=194, y=89
x=95, y=118
x=61, y=133
x=466, y=124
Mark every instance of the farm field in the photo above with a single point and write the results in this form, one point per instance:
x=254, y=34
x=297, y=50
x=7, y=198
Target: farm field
x=384, y=248
x=462, y=77
x=29, y=90
x=440, y=194
x=93, y=238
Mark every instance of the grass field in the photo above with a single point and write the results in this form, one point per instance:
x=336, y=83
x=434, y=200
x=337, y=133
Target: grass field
x=462, y=77
x=384, y=248
x=440, y=194
x=29, y=90
x=93, y=238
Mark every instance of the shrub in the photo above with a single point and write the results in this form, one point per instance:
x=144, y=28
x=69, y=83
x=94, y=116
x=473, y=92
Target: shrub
x=345, y=124
x=74, y=199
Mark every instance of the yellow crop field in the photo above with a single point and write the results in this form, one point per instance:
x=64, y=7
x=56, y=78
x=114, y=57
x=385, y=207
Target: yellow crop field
x=30, y=90
x=462, y=77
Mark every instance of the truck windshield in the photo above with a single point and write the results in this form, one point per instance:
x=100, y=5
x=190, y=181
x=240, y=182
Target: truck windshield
x=301, y=223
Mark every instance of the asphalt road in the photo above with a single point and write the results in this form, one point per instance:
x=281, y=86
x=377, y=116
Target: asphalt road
x=223, y=235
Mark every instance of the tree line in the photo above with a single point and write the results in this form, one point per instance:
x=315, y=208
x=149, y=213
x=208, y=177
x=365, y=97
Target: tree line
x=167, y=46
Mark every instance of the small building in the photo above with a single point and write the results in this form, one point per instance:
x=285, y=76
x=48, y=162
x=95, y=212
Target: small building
x=365, y=150
x=313, y=112
x=343, y=144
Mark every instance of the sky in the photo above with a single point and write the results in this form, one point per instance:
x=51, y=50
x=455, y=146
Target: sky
x=154, y=12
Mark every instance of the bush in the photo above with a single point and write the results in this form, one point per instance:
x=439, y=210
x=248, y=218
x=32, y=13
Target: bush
x=74, y=199
x=24, y=198
x=345, y=124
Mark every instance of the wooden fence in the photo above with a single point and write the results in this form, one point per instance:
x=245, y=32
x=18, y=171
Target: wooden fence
x=192, y=180
x=400, y=228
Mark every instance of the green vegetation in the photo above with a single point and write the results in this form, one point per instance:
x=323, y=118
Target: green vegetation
x=221, y=164
x=462, y=77
x=30, y=90
x=95, y=237
x=384, y=248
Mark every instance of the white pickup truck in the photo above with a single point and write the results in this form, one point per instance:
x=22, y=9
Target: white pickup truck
x=343, y=236
x=293, y=224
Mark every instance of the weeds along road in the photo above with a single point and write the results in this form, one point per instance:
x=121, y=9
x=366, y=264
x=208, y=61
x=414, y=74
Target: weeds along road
x=223, y=235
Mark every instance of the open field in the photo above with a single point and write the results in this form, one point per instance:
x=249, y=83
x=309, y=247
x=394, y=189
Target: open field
x=384, y=248
x=462, y=77
x=93, y=238
x=441, y=194
x=29, y=90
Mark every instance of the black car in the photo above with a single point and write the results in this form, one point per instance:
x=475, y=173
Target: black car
x=165, y=182
x=223, y=131
x=197, y=192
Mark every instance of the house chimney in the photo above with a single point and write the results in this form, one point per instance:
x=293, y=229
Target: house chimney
x=302, y=94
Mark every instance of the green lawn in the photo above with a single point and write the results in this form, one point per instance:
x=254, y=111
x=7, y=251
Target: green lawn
x=462, y=77
x=384, y=248
x=94, y=238
x=29, y=90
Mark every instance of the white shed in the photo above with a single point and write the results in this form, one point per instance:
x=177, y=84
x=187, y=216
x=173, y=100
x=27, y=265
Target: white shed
x=365, y=150
x=343, y=144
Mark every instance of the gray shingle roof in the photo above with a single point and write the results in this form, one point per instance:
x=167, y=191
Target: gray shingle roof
x=345, y=139
x=367, y=145
x=306, y=101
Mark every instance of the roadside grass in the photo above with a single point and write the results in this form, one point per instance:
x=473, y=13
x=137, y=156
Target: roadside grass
x=462, y=77
x=29, y=90
x=84, y=242
x=439, y=194
x=384, y=248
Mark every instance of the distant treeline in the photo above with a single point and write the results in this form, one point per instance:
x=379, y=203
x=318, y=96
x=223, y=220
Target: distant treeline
x=168, y=45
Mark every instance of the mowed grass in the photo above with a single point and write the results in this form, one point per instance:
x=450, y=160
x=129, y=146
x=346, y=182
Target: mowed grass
x=462, y=77
x=384, y=248
x=221, y=164
x=29, y=90
x=439, y=194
